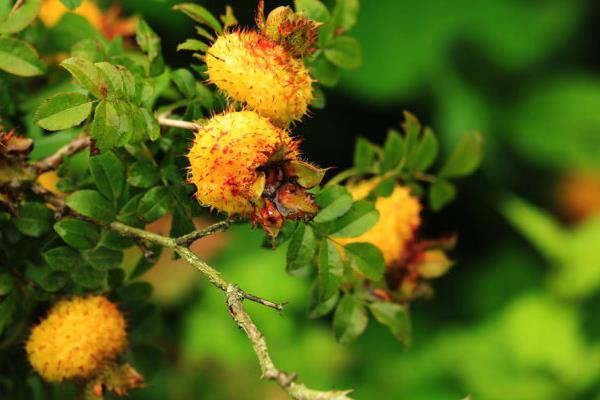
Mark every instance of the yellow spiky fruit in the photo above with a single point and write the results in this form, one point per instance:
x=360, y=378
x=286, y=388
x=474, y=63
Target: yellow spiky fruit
x=228, y=151
x=398, y=221
x=77, y=337
x=252, y=69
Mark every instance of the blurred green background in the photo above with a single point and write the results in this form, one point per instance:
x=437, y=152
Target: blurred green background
x=517, y=316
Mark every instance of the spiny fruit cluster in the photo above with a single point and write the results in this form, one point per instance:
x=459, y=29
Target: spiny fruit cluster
x=245, y=162
x=254, y=70
x=264, y=69
x=409, y=262
x=77, y=338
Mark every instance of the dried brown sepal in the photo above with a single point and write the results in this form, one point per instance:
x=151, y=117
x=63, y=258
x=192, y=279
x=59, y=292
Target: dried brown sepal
x=296, y=33
x=115, y=378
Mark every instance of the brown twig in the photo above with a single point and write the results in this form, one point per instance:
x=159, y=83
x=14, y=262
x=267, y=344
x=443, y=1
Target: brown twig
x=52, y=162
x=287, y=381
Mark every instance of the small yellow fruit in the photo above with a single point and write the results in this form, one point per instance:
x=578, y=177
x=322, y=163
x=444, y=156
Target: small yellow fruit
x=398, y=221
x=226, y=156
x=255, y=70
x=77, y=337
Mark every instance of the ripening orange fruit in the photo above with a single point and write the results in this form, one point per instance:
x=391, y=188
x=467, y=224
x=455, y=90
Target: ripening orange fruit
x=259, y=72
x=242, y=164
x=77, y=338
x=398, y=222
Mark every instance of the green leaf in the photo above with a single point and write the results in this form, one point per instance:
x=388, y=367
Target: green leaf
x=393, y=151
x=359, y=219
x=113, y=77
x=204, y=33
x=92, y=204
x=384, y=188
x=76, y=233
x=6, y=283
x=114, y=240
x=350, y=319
x=88, y=277
x=115, y=279
x=441, y=192
x=125, y=111
x=128, y=214
x=63, y=258
x=334, y=201
x=105, y=127
x=155, y=203
x=344, y=52
x=103, y=258
x=181, y=222
x=53, y=281
x=88, y=75
x=143, y=174
x=366, y=259
x=148, y=360
x=424, y=153
x=301, y=249
x=364, y=155
x=193, y=45
x=538, y=226
x=147, y=39
x=109, y=174
x=137, y=292
x=465, y=157
x=72, y=28
x=313, y=9
x=331, y=269
x=34, y=219
x=325, y=72
x=21, y=18
x=185, y=82
x=19, y=58
x=90, y=49
x=152, y=127
x=149, y=42
x=317, y=307
x=199, y=14
x=8, y=306
x=62, y=111
x=346, y=13
x=395, y=317
x=71, y=4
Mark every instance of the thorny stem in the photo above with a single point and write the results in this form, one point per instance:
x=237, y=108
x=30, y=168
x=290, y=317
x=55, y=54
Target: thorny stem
x=211, y=274
x=234, y=299
x=287, y=381
x=342, y=176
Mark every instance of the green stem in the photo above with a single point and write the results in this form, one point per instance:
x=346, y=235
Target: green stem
x=342, y=176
